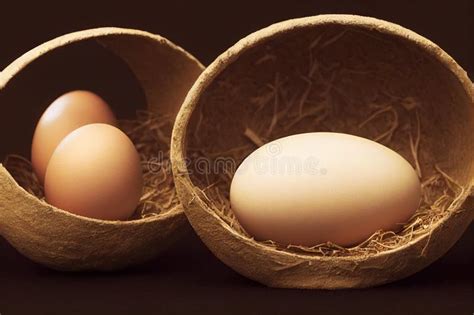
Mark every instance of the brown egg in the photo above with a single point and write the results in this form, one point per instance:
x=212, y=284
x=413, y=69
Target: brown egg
x=67, y=113
x=95, y=172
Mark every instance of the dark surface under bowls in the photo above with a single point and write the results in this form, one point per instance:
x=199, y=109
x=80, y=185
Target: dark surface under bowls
x=188, y=279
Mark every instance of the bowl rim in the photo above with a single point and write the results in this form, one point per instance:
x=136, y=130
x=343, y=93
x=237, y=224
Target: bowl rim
x=70, y=38
x=178, y=149
x=29, y=57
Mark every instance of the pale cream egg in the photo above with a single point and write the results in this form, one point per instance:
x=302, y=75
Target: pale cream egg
x=319, y=187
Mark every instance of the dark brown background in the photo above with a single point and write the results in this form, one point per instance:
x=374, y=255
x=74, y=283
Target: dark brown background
x=187, y=278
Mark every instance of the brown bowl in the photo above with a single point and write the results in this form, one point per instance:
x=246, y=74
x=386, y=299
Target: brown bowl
x=339, y=73
x=162, y=75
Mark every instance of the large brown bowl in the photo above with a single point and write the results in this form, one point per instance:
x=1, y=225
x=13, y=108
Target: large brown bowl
x=361, y=67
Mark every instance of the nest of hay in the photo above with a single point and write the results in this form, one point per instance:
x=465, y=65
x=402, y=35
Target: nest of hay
x=347, y=74
x=151, y=136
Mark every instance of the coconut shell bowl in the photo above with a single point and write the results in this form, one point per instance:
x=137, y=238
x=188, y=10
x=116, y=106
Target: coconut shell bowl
x=144, y=78
x=336, y=73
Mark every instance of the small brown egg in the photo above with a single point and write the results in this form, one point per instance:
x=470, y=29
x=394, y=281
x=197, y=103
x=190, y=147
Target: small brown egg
x=95, y=172
x=67, y=113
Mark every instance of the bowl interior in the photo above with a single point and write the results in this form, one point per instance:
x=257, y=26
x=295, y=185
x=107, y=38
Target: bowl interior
x=131, y=70
x=341, y=77
x=84, y=65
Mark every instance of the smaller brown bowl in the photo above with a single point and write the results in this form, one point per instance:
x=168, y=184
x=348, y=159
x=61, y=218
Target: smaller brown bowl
x=50, y=236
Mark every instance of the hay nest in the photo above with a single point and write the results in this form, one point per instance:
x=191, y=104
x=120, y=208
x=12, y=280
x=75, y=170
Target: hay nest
x=151, y=136
x=335, y=73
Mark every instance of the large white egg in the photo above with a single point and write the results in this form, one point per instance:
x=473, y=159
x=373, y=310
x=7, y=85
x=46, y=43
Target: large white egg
x=312, y=188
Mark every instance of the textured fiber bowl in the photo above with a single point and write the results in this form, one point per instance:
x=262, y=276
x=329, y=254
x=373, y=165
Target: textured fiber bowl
x=51, y=236
x=337, y=73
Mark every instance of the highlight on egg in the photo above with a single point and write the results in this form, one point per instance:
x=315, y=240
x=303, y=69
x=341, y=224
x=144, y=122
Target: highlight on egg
x=67, y=113
x=319, y=187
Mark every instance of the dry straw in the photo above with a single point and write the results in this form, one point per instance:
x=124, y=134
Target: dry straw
x=64, y=241
x=151, y=135
x=338, y=73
